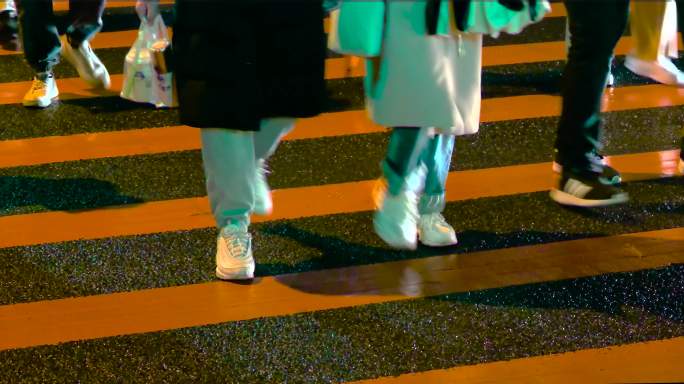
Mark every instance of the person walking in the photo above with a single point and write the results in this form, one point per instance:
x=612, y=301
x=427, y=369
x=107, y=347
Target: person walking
x=245, y=70
x=653, y=25
x=426, y=87
x=595, y=28
x=43, y=46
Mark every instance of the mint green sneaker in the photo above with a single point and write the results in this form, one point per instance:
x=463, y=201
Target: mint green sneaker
x=396, y=220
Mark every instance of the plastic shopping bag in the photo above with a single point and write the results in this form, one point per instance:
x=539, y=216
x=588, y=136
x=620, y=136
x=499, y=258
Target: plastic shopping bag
x=147, y=76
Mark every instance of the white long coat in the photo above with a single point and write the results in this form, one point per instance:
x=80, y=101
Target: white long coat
x=425, y=81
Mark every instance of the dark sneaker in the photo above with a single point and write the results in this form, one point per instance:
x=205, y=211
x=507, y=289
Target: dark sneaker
x=9, y=30
x=587, y=192
x=610, y=174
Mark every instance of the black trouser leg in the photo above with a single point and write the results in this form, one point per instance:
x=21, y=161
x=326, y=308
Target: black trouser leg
x=39, y=34
x=85, y=20
x=595, y=28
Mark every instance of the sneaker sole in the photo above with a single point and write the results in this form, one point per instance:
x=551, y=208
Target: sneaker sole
x=453, y=241
x=38, y=104
x=97, y=84
x=564, y=198
x=437, y=245
x=244, y=273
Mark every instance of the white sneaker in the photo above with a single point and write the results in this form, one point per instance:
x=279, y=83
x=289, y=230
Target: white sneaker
x=263, y=203
x=396, y=220
x=661, y=70
x=234, y=259
x=610, y=80
x=43, y=91
x=88, y=65
x=434, y=231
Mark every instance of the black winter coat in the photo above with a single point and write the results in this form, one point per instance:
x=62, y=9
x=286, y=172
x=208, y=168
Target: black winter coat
x=239, y=61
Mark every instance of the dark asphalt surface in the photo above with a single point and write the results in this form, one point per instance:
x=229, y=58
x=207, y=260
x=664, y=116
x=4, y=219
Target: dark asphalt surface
x=135, y=262
x=378, y=340
x=115, y=181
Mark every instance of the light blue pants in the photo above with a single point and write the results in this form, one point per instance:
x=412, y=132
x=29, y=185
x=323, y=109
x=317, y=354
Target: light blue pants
x=408, y=150
x=230, y=166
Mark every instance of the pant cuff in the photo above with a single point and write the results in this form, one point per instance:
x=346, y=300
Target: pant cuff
x=43, y=68
x=431, y=204
x=396, y=183
x=77, y=35
x=223, y=220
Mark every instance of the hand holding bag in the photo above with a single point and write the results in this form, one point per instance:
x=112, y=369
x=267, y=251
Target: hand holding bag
x=147, y=75
x=357, y=28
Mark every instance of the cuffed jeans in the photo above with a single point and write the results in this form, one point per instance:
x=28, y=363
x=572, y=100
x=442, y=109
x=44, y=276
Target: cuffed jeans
x=595, y=28
x=412, y=148
x=40, y=30
x=230, y=166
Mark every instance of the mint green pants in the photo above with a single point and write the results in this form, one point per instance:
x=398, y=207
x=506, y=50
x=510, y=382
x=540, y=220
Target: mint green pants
x=411, y=149
x=230, y=166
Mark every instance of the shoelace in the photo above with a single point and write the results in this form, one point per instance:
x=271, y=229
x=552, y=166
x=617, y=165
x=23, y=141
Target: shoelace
x=237, y=242
x=596, y=159
x=595, y=156
x=38, y=85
